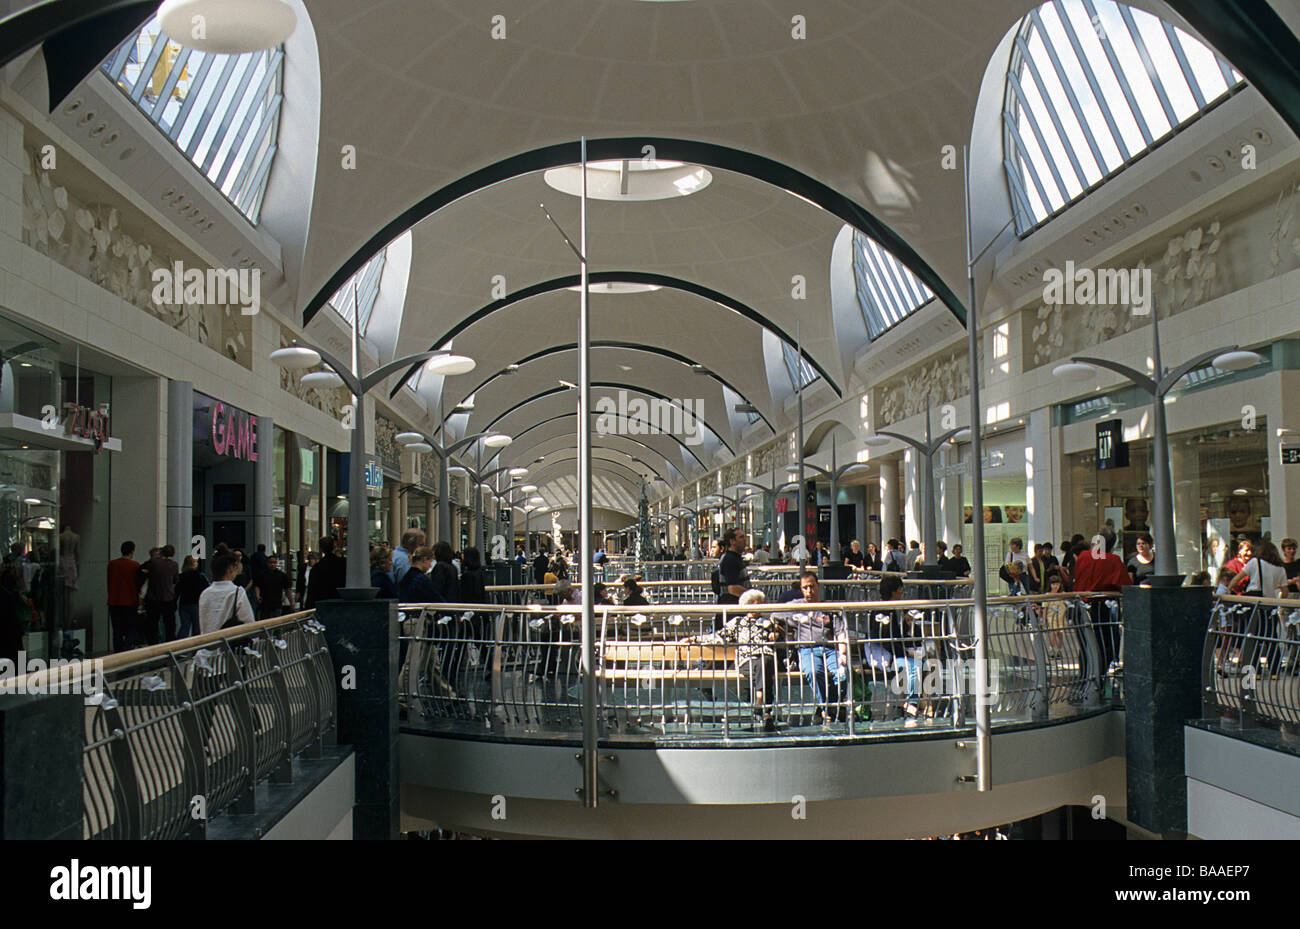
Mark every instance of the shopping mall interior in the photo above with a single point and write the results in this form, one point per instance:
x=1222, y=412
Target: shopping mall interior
x=629, y=309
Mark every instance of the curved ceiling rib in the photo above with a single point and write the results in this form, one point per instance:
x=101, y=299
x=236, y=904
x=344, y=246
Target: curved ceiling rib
x=609, y=343
x=627, y=277
x=545, y=470
x=515, y=445
x=620, y=475
x=707, y=154
x=607, y=385
x=527, y=460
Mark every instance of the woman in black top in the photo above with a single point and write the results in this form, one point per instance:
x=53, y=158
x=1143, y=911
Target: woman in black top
x=445, y=580
x=632, y=595
x=381, y=562
x=189, y=585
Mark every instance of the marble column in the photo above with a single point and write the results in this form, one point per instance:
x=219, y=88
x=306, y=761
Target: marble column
x=180, y=466
x=264, y=486
x=890, y=487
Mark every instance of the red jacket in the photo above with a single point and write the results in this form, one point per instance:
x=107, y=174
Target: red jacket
x=1104, y=573
x=123, y=582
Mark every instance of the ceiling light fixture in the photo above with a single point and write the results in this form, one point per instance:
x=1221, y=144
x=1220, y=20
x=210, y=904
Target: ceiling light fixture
x=227, y=27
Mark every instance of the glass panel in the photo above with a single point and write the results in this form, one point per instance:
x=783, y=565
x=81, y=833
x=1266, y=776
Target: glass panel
x=215, y=108
x=1123, y=86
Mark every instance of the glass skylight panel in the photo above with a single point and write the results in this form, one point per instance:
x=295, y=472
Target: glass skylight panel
x=222, y=111
x=795, y=363
x=887, y=291
x=1092, y=85
x=360, y=292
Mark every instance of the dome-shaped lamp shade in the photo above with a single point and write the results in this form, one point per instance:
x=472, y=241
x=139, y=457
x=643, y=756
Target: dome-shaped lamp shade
x=406, y=438
x=528, y=488
x=296, y=357
x=449, y=365
x=227, y=27
x=518, y=472
x=1074, y=371
x=420, y=448
x=323, y=380
x=1236, y=361
x=876, y=441
x=497, y=440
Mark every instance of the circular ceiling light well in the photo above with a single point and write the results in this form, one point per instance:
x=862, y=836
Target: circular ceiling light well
x=643, y=180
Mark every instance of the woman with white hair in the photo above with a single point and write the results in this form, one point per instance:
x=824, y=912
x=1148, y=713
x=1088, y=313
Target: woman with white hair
x=755, y=636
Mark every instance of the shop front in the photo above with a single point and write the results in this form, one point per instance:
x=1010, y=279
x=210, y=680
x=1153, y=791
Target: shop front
x=56, y=442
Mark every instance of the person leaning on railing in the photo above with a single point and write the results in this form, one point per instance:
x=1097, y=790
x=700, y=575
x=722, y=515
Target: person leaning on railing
x=757, y=639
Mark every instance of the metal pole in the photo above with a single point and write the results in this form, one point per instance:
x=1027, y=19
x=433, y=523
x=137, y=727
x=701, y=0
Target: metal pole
x=1163, y=503
x=927, y=508
x=798, y=381
x=835, y=510
x=589, y=758
x=358, y=570
x=979, y=585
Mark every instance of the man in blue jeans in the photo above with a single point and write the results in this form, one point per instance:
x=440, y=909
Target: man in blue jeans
x=822, y=641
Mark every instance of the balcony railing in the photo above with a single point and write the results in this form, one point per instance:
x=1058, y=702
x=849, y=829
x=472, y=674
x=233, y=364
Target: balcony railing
x=1249, y=671
x=775, y=584
x=664, y=673
x=177, y=734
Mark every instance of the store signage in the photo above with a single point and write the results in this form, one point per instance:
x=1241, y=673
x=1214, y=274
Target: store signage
x=234, y=432
x=1112, y=450
x=374, y=478
x=782, y=504
x=87, y=423
x=1291, y=454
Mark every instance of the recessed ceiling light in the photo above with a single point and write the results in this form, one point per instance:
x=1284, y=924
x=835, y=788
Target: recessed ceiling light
x=643, y=180
x=1241, y=491
x=618, y=287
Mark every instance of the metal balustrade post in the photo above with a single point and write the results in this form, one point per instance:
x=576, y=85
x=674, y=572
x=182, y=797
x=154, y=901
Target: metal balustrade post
x=132, y=808
x=1039, y=704
x=1092, y=684
x=243, y=712
x=192, y=732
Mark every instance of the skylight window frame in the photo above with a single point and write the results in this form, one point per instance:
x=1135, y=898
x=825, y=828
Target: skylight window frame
x=1040, y=179
x=240, y=109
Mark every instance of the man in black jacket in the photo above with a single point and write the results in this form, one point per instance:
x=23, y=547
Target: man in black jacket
x=327, y=576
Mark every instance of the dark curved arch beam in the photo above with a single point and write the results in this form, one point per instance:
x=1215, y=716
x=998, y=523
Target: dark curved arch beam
x=1257, y=42
x=545, y=466
x=604, y=385
x=630, y=277
x=610, y=343
x=78, y=35
x=567, y=445
x=574, y=459
x=629, y=438
x=708, y=154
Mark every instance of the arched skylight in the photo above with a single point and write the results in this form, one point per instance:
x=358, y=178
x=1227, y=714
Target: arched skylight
x=794, y=363
x=222, y=111
x=887, y=292
x=1093, y=85
x=357, y=296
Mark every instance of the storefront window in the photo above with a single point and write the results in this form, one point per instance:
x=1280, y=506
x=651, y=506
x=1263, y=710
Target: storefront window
x=1220, y=477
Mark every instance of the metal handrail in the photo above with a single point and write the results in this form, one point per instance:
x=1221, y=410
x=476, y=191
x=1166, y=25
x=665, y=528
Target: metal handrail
x=182, y=732
x=1250, y=663
x=512, y=670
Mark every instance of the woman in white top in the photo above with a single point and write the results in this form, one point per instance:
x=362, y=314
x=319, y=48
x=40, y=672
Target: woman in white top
x=1267, y=576
x=223, y=603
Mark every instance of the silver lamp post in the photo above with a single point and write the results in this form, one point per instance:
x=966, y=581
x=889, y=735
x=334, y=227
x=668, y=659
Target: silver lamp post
x=299, y=355
x=420, y=443
x=834, y=475
x=925, y=473
x=1229, y=358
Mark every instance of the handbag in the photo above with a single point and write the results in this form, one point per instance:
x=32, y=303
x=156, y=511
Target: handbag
x=233, y=620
